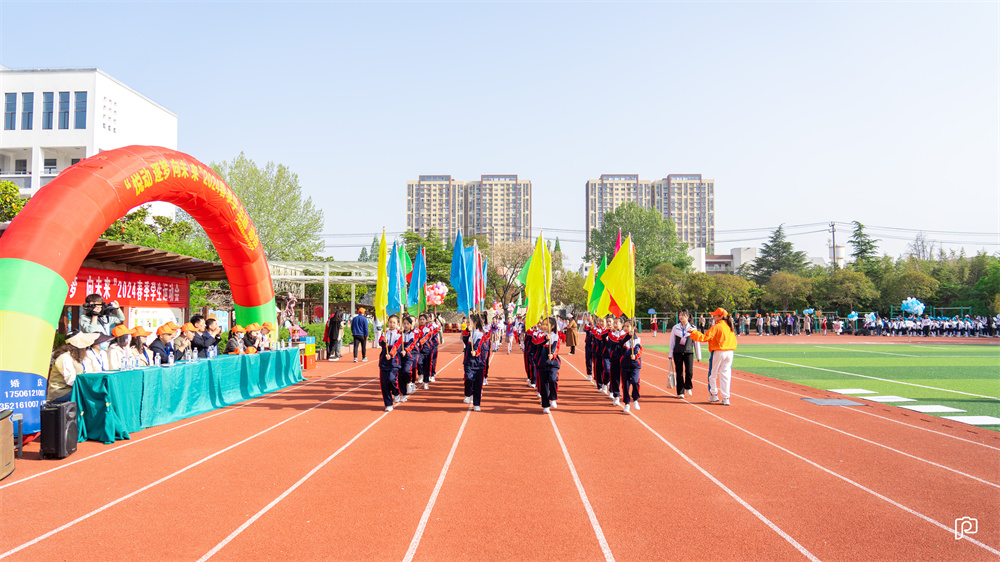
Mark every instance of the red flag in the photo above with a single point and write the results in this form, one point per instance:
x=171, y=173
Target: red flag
x=618, y=243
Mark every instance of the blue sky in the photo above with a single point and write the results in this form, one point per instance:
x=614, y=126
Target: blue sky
x=886, y=113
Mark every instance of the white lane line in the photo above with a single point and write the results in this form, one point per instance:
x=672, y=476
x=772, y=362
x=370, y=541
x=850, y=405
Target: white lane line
x=608, y=556
x=714, y=480
x=867, y=377
x=847, y=408
x=949, y=529
x=200, y=419
x=987, y=482
x=866, y=351
x=285, y=494
x=415, y=541
x=171, y=475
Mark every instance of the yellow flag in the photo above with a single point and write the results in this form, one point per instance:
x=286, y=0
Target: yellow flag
x=382, y=282
x=536, y=288
x=619, y=280
x=588, y=285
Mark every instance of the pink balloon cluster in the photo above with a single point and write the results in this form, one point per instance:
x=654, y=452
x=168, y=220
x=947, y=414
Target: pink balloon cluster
x=435, y=293
x=497, y=307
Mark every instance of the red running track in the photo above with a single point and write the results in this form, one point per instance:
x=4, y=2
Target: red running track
x=319, y=472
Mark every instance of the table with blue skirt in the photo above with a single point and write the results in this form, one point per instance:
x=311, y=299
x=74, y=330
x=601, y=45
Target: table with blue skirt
x=114, y=404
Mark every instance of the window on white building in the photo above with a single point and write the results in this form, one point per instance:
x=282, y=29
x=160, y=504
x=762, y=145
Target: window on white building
x=64, y=110
x=48, y=103
x=80, y=111
x=27, y=110
x=9, y=111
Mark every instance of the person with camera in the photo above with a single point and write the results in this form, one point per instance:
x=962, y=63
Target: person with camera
x=100, y=318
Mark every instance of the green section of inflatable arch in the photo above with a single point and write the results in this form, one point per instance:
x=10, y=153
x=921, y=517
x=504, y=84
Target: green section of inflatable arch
x=259, y=314
x=32, y=289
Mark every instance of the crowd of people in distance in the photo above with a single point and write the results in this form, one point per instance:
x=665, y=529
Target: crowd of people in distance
x=873, y=324
x=364, y=327
x=612, y=346
x=104, y=343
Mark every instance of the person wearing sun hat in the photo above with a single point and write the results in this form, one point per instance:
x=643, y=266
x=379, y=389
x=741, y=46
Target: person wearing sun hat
x=68, y=362
x=721, y=338
x=163, y=345
x=97, y=359
x=139, y=348
x=252, y=337
x=236, y=345
x=266, y=341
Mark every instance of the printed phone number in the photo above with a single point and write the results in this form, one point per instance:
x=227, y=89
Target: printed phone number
x=20, y=405
x=24, y=393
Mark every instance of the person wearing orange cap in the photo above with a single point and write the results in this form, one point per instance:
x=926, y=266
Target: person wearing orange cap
x=721, y=338
x=252, y=336
x=236, y=343
x=118, y=350
x=163, y=346
x=266, y=343
x=140, y=351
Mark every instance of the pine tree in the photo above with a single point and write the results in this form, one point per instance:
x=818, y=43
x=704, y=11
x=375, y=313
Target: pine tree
x=778, y=254
x=364, y=255
x=557, y=248
x=373, y=252
x=865, y=252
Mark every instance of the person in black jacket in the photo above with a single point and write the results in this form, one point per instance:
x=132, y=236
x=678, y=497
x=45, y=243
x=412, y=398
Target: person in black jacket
x=164, y=346
x=389, y=359
x=548, y=380
x=631, y=365
x=476, y=356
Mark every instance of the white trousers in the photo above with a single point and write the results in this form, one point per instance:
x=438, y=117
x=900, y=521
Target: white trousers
x=722, y=373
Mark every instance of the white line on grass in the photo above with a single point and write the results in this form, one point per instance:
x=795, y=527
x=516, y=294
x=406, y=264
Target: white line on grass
x=949, y=529
x=605, y=548
x=868, y=377
x=425, y=517
x=849, y=434
x=171, y=475
x=865, y=351
x=717, y=482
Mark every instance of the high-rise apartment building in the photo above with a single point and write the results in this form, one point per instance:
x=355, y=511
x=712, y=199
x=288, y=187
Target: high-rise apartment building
x=496, y=206
x=687, y=199
x=607, y=193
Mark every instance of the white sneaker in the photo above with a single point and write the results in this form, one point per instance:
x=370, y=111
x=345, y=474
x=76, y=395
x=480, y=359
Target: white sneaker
x=432, y=378
x=604, y=389
x=467, y=400
x=402, y=399
x=355, y=359
x=615, y=402
x=589, y=378
x=486, y=382
x=725, y=402
x=411, y=388
x=476, y=409
x=395, y=399
x=713, y=398
x=532, y=385
x=365, y=360
x=690, y=392
x=426, y=386
x=538, y=395
x=626, y=408
x=545, y=410
x=553, y=404
x=388, y=408
x=636, y=405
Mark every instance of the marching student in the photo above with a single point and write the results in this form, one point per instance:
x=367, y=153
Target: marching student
x=616, y=354
x=436, y=339
x=588, y=346
x=631, y=366
x=604, y=357
x=425, y=350
x=509, y=332
x=408, y=361
x=548, y=383
x=539, y=354
x=721, y=343
x=389, y=361
x=477, y=355
x=682, y=352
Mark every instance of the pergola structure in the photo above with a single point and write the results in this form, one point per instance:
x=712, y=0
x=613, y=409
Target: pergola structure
x=358, y=273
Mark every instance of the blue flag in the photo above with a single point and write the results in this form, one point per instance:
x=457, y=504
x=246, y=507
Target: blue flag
x=397, y=283
x=417, y=279
x=459, y=276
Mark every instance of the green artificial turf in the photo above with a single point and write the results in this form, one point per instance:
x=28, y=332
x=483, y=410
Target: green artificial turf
x=966, y=377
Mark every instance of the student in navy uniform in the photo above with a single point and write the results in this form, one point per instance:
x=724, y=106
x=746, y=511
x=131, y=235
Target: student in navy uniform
x=408, y=359
x=435, y=340
x=588, y=346
x=548, y=383
x=389, y=361
x=477, y=354
x=615, y=340
x=539, y=355
x=631, y=366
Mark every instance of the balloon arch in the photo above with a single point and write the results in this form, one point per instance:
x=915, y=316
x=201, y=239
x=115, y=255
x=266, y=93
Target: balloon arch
x=43, y=248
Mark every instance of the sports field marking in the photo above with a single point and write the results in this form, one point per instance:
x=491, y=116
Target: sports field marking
x=887, y=399
x=932, y=409
x=974, y=420
x=867, y=377
x=851, y=391
x=171, y=475
x=717, y=482
x=865, y=351
x=285, y=494
x=608, y=557
x=200, y=419
x=415, y=542
x=849, y=434
x=948, y=528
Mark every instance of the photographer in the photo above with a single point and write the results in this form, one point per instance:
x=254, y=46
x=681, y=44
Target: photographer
x=99, y=318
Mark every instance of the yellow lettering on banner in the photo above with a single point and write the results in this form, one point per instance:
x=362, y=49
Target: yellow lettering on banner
x=157, y=173
x=194, y=172
x=179, y=168
x=147, y=177
x=252, y=240
x=164, y=168
x=137, y=183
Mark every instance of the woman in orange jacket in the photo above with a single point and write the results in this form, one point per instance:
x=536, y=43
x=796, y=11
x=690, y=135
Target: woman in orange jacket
x=721, y=338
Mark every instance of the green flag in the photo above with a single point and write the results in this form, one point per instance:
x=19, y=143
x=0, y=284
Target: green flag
x=595, y=297
x=522, y=277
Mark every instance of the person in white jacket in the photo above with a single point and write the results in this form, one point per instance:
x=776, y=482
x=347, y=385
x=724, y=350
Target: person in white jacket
x=683, y=351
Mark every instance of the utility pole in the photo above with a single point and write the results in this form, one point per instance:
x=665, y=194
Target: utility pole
x=833, y=230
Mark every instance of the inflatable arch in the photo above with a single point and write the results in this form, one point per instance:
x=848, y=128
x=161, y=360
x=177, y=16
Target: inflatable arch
x=44, y=246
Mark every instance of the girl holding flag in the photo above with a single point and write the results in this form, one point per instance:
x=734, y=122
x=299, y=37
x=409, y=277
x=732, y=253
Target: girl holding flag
x=389, y=361
x=410, y=357
x=548, y=383
x=477, y=356
x=631, y=365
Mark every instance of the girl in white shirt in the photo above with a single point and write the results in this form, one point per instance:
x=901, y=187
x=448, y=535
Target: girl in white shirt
x=683, y=351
